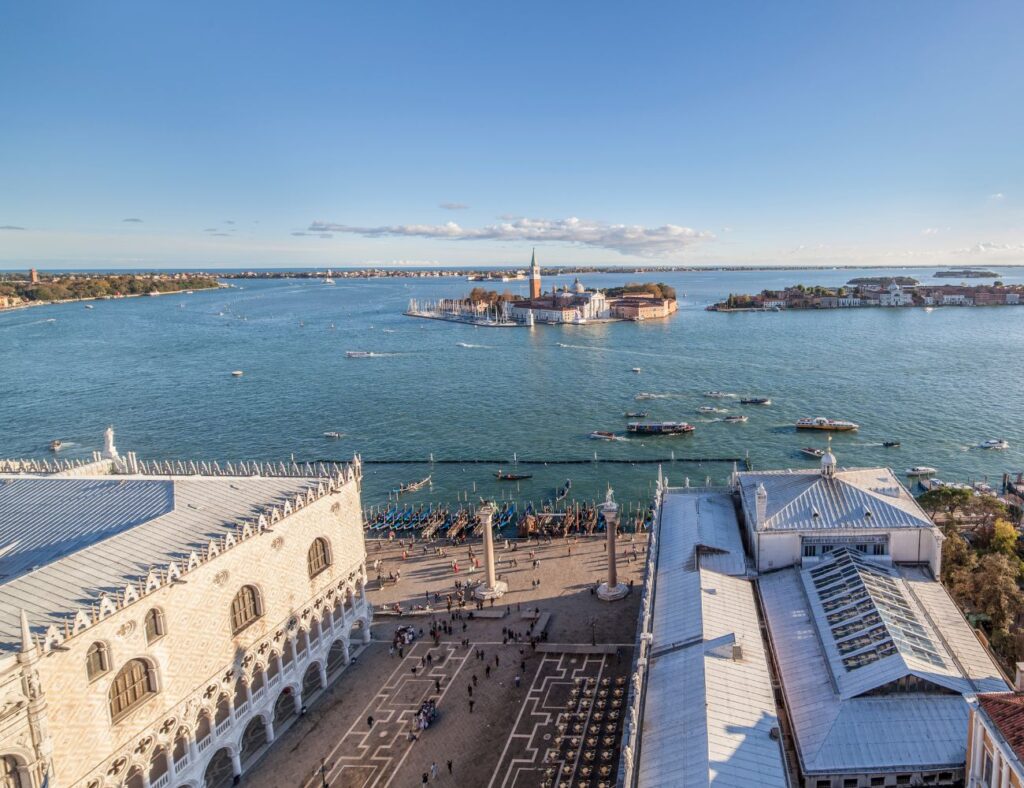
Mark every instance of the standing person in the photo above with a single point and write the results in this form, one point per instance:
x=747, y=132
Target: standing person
x=426, y=779
x=449, y=766
x=471, y=702
x=369, y=721
x=433, y=770
x=437, y=685
x=517, y=681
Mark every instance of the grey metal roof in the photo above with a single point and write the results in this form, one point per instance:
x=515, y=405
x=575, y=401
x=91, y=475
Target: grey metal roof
x=707, y=717
x=852, y=498
x=837, y=730
x=87, y=536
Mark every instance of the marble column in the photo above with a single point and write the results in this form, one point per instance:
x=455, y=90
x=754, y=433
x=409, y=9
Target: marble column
x=491, y=587
x=612, y=589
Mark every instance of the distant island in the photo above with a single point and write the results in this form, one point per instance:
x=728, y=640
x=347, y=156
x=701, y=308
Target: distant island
x=886, y=292
x=570, y=305
x=883, y=281
x=967, y=273
x=33, y=289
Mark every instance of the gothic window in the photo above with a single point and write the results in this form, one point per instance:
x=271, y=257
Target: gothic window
x=245, y=608
x=97, y=661
x=10, y=776
x=155, y=628
x=132, y=686
x=319, y=557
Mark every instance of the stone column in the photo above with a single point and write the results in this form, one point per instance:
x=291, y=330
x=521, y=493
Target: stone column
x=612, y=589
x=236, y=765
x=491, y=588
x=268, y=726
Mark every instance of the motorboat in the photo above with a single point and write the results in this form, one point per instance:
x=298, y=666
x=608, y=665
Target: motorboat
x=755, y=401
x=237, y=373
x=828, y=425
x=645, y=395
x=711, y=409
x=660, y=427
x=89, y=306
x=563, y=491
x=891, y=444
x=334, y=435
x=994, y=443
x=55, y=445
x=736, y=419
x=602, y=435
x=637, y=369
x=812, y=452
x=359, y=354
x=328, y=280
x=511, y=477
x=921, y=470
x=718, y=394
x=636, y=414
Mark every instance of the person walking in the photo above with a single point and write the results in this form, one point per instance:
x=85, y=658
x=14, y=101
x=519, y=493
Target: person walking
x=471, y=703
x=449, y=766
x=469, y=687
x=433, y=770
x=426, y=778
x=369, y=721
x=437, y=685
x=517, y=681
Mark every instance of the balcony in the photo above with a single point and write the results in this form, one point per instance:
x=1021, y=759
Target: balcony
x=258, y=695
x=241, y=709
x=162, y=781
x=203, y=744
x=222, y=726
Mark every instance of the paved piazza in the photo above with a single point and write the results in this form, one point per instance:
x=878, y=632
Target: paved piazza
x=563, y=721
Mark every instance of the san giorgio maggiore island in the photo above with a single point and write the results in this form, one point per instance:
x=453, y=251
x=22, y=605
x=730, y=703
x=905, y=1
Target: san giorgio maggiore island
x=575, y=306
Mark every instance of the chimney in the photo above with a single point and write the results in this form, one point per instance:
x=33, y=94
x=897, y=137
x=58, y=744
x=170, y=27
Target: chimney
x=761, y=499
x=1018, y=678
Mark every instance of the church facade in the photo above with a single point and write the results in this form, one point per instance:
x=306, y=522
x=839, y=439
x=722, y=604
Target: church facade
x=162, y=625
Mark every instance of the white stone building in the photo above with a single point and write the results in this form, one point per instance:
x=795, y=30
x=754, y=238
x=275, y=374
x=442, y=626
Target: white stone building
x=161, y=625
x=895, y=295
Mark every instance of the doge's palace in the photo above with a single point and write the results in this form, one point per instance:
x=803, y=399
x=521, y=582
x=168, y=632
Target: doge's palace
x=162, y=623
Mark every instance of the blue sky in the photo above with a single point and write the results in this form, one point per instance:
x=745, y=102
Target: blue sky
x=322, y=133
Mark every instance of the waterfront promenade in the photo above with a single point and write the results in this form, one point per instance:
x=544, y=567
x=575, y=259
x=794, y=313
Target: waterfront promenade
x=505, y=739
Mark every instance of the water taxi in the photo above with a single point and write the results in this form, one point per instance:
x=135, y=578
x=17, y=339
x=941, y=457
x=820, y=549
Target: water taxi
x=638, y=369
x=829, y=425
x=334, y=435
x=660, y=427
x=55, y=445
x=921, y=470
x=645, y=395
x=718, y=394
x=636, y=414
x=811, y=452
x=237, y=373
x=736, y=419
x=511, y=477
x=994, y=443
x=711, y=409
x=359, y=354
x=755, y=401
x=601, y=435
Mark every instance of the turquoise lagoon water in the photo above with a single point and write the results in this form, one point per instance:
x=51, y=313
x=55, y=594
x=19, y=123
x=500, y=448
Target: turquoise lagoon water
x=159, y=370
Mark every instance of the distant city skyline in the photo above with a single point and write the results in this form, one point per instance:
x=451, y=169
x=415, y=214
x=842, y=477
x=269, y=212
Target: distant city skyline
x=231, y=136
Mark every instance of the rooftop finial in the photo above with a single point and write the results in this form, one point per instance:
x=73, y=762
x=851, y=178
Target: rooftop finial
x=27, y=643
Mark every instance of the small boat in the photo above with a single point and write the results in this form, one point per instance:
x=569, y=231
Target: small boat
x=602, y=435
x=811, y=452
x=829, y=425
x=711, y=409
x=511, y=477
x=328, y=280
x=645, y=395
x=755, y=401
x=636, y=414
x=928, y=309
x=637, y=369
x=55, y=445
x=736, y=419
x=237, y=373
x=718, y=394
x=359, y=354
x=994, y=443
x=660, y=427
x=89, y=306
x=921, y=470
x=334, y=435
x=413, y=486
x=891, y=444
x=563, y=490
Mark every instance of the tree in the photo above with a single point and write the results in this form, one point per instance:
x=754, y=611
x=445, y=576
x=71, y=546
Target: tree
x=958, y=565
x=944, y=499
x=995, y=591
x=1004, y=538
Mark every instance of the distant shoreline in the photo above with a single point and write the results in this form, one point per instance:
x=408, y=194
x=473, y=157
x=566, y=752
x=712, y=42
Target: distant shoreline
x=31, y=304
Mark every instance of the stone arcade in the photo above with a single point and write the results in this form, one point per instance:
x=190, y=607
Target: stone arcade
x=161, y=624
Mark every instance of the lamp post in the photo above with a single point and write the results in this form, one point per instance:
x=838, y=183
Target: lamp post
x=612, y=589
x=491, y=588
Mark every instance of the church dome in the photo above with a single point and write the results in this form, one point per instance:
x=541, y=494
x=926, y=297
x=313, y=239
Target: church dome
x=578, y=286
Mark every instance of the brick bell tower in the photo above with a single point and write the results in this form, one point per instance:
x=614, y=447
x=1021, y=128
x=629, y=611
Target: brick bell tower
x=534, y=276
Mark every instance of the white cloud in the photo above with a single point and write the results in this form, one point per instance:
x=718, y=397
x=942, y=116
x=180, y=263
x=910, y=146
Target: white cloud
x=627, y=239
x=930, y=231
x=454, y=206
x=997, y=196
